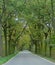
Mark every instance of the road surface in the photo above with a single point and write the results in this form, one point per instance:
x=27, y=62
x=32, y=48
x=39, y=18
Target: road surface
x=27, y=58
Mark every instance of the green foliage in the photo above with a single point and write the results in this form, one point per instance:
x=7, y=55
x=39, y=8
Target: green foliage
x=5, y=59
x=37, y=14
x=24, y=41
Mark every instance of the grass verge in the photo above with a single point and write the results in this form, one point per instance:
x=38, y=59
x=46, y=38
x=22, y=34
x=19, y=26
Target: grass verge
x=5, y=59
x=48, y=58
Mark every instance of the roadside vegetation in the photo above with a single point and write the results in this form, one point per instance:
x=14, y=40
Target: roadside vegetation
x=5, y=59
x=27, y=24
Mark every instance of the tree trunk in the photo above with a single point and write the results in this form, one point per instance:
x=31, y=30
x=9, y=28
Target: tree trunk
x=35, y=42
x=36, y=48
x=45, y=46
x=50, y=49
x=5, y=36
x=9, y=44
x=1, y=43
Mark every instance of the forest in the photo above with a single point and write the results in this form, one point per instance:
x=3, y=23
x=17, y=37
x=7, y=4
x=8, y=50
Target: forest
x=27, y=25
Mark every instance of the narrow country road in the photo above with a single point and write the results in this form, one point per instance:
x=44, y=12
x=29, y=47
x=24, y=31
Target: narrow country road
x=27, y=58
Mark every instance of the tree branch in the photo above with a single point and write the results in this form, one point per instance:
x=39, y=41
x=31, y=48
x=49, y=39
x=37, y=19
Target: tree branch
x=21, y=32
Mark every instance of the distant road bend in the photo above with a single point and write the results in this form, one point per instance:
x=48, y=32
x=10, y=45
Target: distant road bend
x=27, y=58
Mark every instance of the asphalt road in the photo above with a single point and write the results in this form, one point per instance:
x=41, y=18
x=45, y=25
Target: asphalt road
x=27, y=58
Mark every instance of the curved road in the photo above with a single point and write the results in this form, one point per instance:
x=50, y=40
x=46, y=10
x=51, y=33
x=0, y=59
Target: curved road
x=27, y=58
